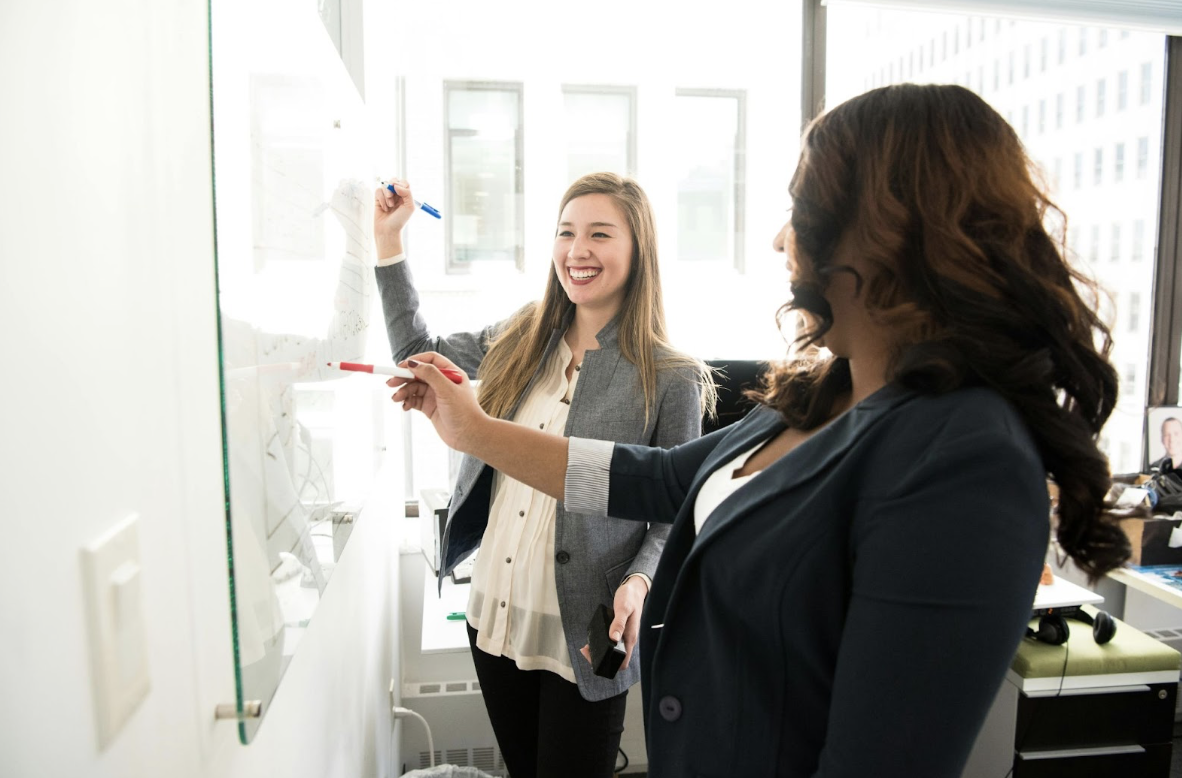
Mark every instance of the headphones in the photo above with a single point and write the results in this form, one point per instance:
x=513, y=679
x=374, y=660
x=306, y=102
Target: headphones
x=1052, y=626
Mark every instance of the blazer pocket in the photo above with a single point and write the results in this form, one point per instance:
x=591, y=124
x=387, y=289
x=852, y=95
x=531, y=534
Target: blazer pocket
x=612, y=577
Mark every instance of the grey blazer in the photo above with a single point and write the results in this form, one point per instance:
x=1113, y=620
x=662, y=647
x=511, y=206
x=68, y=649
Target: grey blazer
x=592, y=555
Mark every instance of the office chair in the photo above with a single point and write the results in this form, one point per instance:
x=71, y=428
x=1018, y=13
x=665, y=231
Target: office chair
x=732, y=376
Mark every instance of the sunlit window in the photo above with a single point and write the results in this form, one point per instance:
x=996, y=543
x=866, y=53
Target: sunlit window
x=484, y=161
x=600, y=124
x=710, y=184
x=1099, y=223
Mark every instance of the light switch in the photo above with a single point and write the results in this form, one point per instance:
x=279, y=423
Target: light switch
x=118, y=639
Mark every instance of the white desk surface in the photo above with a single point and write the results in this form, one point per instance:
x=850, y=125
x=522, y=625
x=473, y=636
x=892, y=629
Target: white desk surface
x=1062, y=593
x=1146, y=584
x=441, y=636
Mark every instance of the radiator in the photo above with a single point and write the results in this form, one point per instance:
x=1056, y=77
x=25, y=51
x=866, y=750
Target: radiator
x=459, y=726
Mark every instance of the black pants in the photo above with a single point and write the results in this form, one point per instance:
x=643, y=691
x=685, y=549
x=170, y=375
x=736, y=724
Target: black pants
x=543, y=725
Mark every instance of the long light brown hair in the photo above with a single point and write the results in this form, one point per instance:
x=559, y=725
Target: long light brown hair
x=933, y=188
x=517, y=350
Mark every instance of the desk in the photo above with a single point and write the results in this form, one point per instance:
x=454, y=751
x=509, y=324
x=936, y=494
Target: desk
x=1147, y=585
x=441, y=636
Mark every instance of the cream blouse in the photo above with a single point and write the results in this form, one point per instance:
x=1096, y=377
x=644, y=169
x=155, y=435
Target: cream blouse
x=513, y=604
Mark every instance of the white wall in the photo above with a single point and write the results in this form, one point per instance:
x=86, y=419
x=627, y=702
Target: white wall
x=106, y=246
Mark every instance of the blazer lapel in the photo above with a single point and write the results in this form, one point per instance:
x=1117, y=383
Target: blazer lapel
x=798, y=466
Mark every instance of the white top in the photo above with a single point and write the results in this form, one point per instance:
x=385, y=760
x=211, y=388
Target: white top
x=514, y=601
x=721, y=484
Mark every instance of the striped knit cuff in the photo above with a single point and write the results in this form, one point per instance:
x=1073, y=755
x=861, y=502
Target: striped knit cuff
x=588, y=464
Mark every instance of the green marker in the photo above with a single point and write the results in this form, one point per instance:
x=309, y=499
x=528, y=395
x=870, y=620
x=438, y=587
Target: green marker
x=456, y=616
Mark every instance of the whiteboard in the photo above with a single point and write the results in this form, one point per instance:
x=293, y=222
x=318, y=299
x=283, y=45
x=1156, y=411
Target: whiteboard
x=293, y=203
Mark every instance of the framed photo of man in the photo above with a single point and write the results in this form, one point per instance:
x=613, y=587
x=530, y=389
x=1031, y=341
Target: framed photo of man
x=1163, y=436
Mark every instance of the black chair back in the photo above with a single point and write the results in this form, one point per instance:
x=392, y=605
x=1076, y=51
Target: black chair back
x=733, y=376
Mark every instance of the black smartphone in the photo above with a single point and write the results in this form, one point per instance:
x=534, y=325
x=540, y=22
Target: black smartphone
x=606, y=654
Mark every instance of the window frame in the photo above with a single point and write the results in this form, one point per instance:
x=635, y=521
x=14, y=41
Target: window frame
x=740, y=171
x=613, y=90
x=452, y=267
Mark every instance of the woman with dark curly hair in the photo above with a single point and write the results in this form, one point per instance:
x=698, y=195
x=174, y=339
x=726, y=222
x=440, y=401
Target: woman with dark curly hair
x=850, y=568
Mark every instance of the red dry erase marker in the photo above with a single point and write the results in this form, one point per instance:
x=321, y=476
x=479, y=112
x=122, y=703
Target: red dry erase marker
x=455, y=376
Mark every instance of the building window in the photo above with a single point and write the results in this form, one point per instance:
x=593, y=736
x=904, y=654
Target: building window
x=1134, y=313
x=711, y=176
x=1102, y=38
x=1058, y=171
x=1062, y=46
x=1077, y=172
x=1118, y=168
x=1083, y=41
x=1059, y=101
x=483, y=158
x=1042, y=116
x=1025, y=120
x=1114, y=256
x=1146, y=82
x=600, y=123
x=1026, y=61
x=1122, y=90
x=1138, y=250
x=1098, y=167
x=996, y=75
x=1100, y=90
x=1080, y=103
x=1094, y=253
x=1142, y=157
x=1010, y=70
x=1043, y=47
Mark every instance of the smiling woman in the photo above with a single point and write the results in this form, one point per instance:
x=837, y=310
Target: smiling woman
x=590, y=359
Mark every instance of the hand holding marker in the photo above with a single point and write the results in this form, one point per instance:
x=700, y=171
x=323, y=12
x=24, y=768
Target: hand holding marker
x=426, y=207
x=455, y=376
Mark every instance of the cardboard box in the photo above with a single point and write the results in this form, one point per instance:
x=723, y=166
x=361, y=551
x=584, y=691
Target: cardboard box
x=1150, y=539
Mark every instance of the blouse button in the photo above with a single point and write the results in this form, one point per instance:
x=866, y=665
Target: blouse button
x=566, y=401
x=578, y=367
x=502, y=603
x=520, y=513
x=542, y=426
x=508, y=559
x=562, y=557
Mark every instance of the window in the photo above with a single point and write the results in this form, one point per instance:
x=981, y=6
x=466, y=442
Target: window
x=710, y=180
x=1042, y=116
x=1025, y=121
x=1026, y=61
x=1090, y=210
x=1043, y=47
x=600, y=124
x=484, y=173
x=1134, y=312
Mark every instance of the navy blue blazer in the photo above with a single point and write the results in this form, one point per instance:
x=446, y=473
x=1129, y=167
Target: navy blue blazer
x=852, y=610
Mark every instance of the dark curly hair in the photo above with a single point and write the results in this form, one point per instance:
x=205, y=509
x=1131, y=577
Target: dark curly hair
x=934, y=189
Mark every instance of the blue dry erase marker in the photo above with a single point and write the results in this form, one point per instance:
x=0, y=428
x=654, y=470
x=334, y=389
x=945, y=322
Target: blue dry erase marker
x=424, y=206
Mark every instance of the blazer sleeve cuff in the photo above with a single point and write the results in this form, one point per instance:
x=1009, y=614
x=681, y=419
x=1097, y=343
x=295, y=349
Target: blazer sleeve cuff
x=588, y=467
